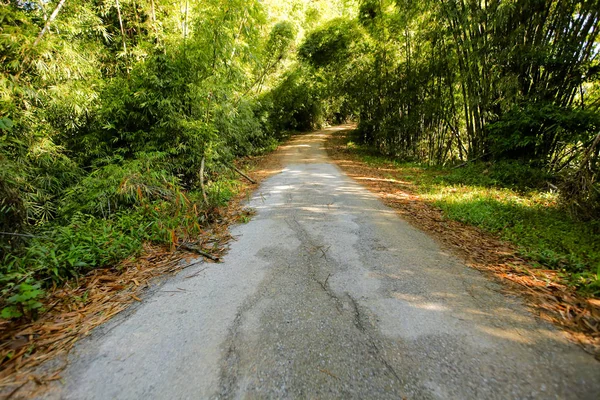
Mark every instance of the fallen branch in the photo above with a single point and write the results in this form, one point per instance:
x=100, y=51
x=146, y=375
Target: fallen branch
x=196, y=273
x=11, y=394
x=197, y=250
x=233, y=167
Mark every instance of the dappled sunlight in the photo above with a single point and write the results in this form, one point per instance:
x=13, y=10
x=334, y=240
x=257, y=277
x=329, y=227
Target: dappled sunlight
x=398, y=275
x=413, y=298
x=488, y=325
x=432, y=307
x=516, y=327
x=283, y=188
x=387, y=258
x=313, y=192
x=463, y=215
x=400, y=195
x=311, y=195
x=315, y=209
x=475, y=311
x=513, y=335
x=326, y=176
x=389, y=180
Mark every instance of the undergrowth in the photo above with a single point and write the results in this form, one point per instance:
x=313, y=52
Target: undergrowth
x=104, y=219
x=514, y=201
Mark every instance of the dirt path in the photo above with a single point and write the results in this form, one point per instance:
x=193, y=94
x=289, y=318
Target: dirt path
x=327, y=293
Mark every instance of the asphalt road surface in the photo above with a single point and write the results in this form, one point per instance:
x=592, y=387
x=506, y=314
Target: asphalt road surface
x=327, y=293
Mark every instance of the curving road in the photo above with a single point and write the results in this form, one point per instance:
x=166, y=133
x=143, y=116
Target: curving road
x=327, y=293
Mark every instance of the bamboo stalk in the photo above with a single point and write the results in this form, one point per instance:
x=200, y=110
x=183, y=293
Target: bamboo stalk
x=49, y=21
x=121, y=25
x=202, y=180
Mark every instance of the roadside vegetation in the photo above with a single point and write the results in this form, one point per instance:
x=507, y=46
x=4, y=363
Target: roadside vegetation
x=121, y=123
x=512, y=202
x=490, y=109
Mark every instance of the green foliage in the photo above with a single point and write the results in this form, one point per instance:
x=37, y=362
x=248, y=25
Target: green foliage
x=24, y=301
x=331, y=44
x=512, y=174
x=520, y=133
x=120, y=185
x=281, y=39
x=104, y=122
x=442, y=82
x=294, y=105
x=488, y=196
x=544, y=234
x=5, y=124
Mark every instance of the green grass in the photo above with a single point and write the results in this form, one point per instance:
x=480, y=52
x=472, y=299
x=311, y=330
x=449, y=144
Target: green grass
x=65, y=249
x=509, y=200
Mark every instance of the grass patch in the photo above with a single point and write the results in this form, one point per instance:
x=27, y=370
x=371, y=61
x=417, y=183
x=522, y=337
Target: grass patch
x=508, y=199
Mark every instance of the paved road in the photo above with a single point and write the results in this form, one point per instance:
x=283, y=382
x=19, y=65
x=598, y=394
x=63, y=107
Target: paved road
x=329, y=294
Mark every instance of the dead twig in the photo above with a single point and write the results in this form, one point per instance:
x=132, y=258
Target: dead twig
x=324, y=251
x=199, y=251
x=196, y=273
x=326, y=279
x=327, y=372
x=233, y=167
x=11, y=394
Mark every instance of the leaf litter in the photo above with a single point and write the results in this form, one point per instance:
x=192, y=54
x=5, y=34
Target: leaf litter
x=29, y=350
x=544, y=292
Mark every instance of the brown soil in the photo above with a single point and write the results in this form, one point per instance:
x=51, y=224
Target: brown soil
x=542, y=290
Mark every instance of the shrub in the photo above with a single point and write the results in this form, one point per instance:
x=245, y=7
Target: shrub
x=294, y=105
x=507, y=173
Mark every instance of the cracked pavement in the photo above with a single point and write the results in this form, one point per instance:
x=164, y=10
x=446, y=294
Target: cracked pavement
x=327, y=293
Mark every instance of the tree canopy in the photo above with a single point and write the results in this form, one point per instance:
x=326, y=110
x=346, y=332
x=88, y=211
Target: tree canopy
x=455, y=80
x=109, y=109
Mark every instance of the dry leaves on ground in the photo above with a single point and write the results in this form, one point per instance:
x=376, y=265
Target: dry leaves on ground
x=74, y=309
x=542, y=289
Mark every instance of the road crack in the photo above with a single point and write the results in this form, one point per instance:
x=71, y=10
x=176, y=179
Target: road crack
x=230, y=368
x=376, y=350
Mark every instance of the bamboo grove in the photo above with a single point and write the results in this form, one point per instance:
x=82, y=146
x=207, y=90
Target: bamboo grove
x=454, y=80
x=119, y=118
x=110, y=110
